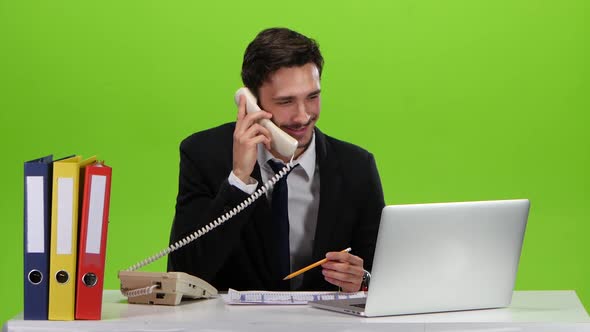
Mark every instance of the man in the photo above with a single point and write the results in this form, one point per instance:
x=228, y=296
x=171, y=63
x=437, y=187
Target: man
x=334, y=193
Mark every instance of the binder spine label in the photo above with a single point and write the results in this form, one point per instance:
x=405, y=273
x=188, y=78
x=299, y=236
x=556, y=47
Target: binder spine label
x=95, y=214
x=35, y=208
x=65, y=197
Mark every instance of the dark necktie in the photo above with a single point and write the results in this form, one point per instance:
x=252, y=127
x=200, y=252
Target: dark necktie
x=280, y=219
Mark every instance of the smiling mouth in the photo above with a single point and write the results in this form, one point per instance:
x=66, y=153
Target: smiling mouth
x=297, y=132
x=299, y=128
x=296, y=129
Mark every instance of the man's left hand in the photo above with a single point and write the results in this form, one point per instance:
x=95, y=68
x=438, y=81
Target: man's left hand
x=344, y=270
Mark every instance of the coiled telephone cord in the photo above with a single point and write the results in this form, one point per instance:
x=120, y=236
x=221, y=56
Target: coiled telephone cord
x=212, y=225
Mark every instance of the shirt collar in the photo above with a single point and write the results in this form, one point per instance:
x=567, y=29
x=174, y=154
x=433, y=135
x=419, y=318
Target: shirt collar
x=306, y=160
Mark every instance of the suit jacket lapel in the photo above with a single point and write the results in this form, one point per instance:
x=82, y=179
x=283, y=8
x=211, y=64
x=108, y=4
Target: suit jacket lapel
x=330, y=187
x=263, y=226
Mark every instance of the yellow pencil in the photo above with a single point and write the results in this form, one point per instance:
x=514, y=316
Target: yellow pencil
x=309, y=267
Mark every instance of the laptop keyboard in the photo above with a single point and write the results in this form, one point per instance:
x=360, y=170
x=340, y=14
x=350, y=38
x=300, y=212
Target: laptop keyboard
x=358, y=305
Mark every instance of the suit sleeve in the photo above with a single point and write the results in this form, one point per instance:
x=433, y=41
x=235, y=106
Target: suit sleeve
x=204, y=194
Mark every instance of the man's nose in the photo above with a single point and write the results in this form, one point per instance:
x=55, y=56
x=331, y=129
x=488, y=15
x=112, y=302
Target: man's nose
x=301, y=116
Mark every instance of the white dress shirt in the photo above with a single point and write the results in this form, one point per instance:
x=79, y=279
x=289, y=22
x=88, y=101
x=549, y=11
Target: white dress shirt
x=303, y=184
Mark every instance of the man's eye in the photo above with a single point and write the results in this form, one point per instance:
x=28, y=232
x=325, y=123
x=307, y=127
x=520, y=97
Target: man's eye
x=313, y=96
x=284, y=102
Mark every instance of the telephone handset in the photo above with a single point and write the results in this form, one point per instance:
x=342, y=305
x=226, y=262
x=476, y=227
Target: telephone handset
x=170, y=287
x=281, y=141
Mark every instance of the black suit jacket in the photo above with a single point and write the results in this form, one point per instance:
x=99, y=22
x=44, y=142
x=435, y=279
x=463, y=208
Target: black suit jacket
x=237, y=254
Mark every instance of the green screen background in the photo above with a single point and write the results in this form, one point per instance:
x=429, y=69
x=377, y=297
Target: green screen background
x=458, y=100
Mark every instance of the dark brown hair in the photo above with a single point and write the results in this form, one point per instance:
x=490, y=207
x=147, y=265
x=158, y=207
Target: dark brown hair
x=273, y=49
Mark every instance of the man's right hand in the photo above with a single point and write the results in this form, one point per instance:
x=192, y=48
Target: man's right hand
x=247, y=135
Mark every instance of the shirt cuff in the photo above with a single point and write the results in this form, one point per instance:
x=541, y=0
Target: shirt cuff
x=247, y=188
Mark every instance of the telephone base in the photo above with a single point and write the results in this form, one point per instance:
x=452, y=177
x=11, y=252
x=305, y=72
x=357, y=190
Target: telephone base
x=166, y=288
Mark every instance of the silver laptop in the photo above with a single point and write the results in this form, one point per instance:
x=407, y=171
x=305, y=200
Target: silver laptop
x=442, y=257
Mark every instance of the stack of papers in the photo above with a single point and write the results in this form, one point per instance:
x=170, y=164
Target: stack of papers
x=265, y=297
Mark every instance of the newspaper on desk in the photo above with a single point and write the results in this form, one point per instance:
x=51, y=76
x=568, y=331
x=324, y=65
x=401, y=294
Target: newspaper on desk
x=266, y=297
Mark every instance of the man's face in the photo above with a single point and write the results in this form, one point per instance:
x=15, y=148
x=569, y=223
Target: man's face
x=292, y=96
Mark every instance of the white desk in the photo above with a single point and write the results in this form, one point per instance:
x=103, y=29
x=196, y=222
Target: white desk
x=529, y=311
